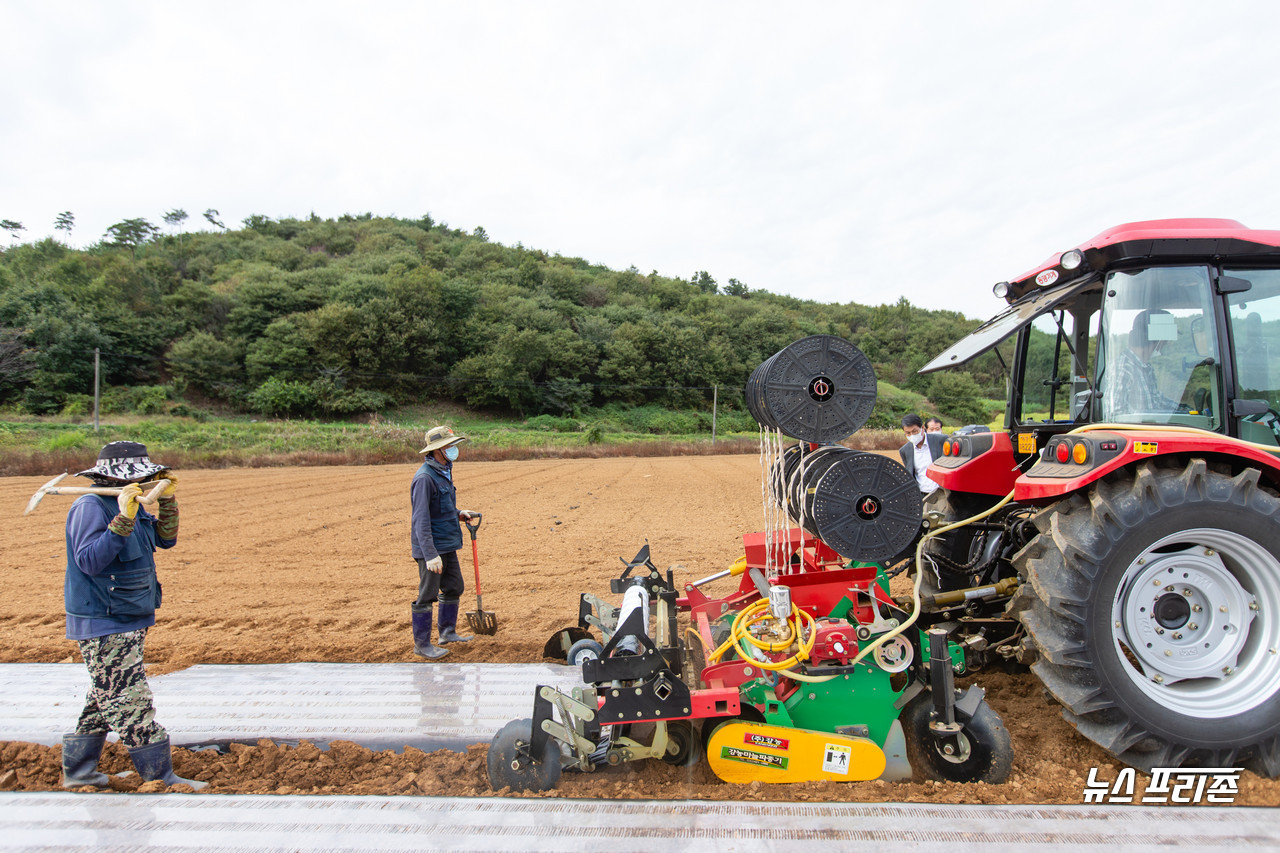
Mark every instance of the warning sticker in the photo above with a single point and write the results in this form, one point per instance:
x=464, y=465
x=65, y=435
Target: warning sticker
x=836, y=759
x=746, y=756
x=1146, y=446
x=766, y=741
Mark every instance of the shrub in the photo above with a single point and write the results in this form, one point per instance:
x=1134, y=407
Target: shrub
x=77, y=405
x=75, y=440
x=282, y=397
x=658, y=421
x=182, y=410
x=335, y=400
x=550, y=423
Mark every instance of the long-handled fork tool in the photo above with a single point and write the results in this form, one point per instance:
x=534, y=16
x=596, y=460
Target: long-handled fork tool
x=52, y=488
x=481, y=621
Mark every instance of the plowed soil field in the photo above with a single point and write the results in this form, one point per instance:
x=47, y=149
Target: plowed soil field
x=312, y=564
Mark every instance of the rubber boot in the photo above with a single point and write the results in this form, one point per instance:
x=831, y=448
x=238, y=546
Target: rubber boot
x=80, y=754
x=155, y=761
x=449, y=623
x=422, y=638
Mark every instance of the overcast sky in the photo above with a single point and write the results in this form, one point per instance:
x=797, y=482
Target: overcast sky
x=833, y=151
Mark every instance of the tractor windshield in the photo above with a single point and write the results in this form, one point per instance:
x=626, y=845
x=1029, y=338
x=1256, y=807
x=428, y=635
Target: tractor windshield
x=1159, y=360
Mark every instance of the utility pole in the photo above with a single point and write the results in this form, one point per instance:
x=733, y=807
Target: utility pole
x=96, y=394
x=715, y=402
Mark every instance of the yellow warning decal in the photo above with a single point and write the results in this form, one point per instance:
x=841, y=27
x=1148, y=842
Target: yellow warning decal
x=1146, y=447
x=1026, y=442
x=836, y=759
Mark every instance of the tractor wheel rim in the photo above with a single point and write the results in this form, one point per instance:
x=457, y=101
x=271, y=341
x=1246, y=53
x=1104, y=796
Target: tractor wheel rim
x=1196, y=622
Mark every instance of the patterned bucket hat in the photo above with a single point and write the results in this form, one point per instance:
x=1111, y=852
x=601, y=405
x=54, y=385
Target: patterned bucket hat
x=123, y=461
x=441, y=436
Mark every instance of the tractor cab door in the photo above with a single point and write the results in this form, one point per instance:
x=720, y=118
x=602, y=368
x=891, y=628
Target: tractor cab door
x=1159, y=359
x=1054, y=365
x=1253, y=313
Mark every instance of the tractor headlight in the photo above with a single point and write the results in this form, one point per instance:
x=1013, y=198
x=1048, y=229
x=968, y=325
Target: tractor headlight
x=1071, y=259
x=1001, y=289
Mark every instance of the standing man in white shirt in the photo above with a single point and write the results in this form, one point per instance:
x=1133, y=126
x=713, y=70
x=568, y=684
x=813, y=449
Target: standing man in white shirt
x=919, y=452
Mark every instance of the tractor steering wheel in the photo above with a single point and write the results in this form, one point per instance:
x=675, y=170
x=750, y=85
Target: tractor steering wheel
x=1270, y=417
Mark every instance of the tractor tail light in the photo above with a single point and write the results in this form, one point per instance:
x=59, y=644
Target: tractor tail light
x=1080, y=453
x=1062, y=451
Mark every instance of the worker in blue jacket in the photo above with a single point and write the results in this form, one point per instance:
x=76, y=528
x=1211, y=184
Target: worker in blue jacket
x=435, y=537
x=111, y=594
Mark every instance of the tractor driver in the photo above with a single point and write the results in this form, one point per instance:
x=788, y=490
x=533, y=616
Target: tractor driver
x=1135, y=388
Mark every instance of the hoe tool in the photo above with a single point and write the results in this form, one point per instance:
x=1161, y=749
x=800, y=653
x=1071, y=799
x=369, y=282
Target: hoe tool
x=481, y=621
x=52, y=488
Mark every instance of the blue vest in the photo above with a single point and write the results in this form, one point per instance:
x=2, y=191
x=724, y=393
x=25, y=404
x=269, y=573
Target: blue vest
x=127, y=589
x=442, y=508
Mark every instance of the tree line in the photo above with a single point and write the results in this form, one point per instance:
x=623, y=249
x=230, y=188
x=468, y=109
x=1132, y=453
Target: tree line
x=329, y=317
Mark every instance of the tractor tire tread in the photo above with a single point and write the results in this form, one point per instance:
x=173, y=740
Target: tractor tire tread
x=1060, y=566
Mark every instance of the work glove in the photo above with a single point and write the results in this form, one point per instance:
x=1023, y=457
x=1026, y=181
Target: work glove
x=173, y=484
x=464, y=515
x=127, y=500
x=435, y=564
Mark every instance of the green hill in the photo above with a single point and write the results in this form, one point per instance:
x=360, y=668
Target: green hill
x=324, y=318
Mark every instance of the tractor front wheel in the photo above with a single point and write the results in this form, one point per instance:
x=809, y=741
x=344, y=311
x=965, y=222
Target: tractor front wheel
x=1154, y=603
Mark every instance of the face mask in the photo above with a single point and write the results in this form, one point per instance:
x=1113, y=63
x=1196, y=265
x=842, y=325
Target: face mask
x=451, y=453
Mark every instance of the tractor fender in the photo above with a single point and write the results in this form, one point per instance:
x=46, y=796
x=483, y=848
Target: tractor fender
x=1107, y=451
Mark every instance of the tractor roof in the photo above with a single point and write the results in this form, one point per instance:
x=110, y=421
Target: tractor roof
x=1163, y=240
x=1158, y=241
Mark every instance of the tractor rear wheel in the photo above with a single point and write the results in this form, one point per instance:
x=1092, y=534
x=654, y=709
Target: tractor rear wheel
x=1153, y=600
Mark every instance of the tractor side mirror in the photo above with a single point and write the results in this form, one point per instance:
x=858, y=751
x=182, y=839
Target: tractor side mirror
x=1231, y=284
x=1244, y=408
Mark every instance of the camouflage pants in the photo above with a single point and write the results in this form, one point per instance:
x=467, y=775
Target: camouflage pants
x=119, y=697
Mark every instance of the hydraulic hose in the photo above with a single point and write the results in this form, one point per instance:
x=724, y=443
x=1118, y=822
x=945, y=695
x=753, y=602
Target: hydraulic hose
x=756, y=612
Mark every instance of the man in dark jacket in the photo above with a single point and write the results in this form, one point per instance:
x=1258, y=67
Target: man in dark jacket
x=111, y=594
x=435, y=537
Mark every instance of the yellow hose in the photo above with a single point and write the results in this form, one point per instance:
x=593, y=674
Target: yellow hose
x=757, y=612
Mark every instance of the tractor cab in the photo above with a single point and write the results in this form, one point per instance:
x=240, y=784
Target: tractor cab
x=1162, y=323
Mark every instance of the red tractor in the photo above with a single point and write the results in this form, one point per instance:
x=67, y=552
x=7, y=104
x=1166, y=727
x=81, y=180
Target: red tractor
x=1138, y=553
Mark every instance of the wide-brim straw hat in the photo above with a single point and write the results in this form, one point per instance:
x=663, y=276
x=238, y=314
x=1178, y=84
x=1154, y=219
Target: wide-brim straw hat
x=123, y=461
x=441, y=436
